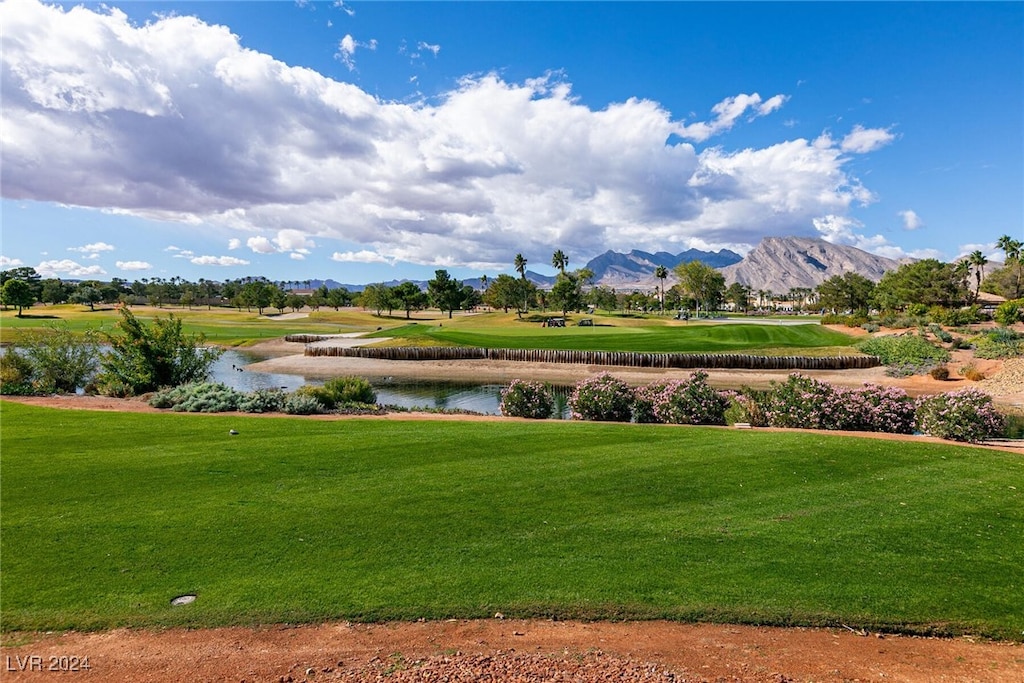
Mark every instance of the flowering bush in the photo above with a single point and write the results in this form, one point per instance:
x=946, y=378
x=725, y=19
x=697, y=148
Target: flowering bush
x=692, y=402
x=602, y=398
x=527, y=399
x=799, y=402
x=886, y=409
x=965, y=415
x=645, y=399
x=810, y=404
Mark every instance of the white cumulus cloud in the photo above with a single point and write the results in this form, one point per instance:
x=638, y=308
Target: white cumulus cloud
x=174, y=120
x=727, y=112
x=218, y=261
x=6, y=262
x=133, y=265
x=862, y=140
x=68, y=268
x=911, y=221
x=93, y=249
x=364, y=256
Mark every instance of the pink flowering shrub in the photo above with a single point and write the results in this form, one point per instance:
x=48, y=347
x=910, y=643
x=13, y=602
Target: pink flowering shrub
x=886, y=409
x=964, y=415
x=527, y=399
x=645, y=399
x=602, y=398
x=691, y=403
x=811, y=404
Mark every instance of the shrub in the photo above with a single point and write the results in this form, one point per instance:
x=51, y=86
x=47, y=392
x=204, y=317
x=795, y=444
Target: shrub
x=971, y=372
x=1009, y=312
x=602, y=398
x=350, y=389
x=199, y=397
x=527, y=399
x=966, y=415
x=751, y=406
x=999, y=343
x=905, y=352
x=341, y=391
x=939, y=372
x=870, y=328
x=886, y=409
x=61, y=360
x=940, y=334
x=798, y=402
x=645, y=399
x=302, y=403
x=148, y=357
x=16, y=374
x=692, y=402
x=811, y=404
x=262, y=401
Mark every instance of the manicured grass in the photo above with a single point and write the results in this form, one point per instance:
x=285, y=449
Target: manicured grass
x=225, y=326
x=107, y=517
x=697, y=338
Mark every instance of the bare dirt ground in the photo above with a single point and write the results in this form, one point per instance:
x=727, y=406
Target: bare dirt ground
x=513, y=650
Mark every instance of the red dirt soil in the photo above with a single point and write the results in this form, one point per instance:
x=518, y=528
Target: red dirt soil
x=498, y=649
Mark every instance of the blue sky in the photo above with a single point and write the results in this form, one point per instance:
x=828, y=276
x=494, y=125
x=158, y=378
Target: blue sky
x=371, y=141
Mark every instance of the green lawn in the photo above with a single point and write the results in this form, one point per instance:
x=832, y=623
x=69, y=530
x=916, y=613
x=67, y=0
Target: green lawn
x=107, y=517
x=225, y=326
x=654, y=338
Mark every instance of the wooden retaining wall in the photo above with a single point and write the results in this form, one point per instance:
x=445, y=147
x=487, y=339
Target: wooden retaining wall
x=732, y=361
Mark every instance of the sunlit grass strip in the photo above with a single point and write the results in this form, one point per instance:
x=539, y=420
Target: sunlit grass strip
x=107, y=517
x=725, y=338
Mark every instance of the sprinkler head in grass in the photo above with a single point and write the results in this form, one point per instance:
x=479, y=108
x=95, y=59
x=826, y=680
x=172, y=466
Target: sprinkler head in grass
x=183, y=600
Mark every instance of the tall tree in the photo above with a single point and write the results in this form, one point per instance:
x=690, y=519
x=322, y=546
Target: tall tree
x=410, y=297
x=1013, y=250
x=661, y=272
x=376, y=297
x=928, y=282
x=445, y=292
x=519, y=263
x=505, y=292
x=847, y=292
x=560, y=260
x=978, y=262
x=28, y=275
x=702, y=281
x=17, y=293
x=739, y=295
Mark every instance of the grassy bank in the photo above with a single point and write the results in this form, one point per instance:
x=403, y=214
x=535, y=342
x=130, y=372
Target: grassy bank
x=652, y=338
x=107, y=517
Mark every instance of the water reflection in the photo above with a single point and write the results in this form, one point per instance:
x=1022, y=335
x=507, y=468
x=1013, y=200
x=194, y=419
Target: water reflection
x=477, y=398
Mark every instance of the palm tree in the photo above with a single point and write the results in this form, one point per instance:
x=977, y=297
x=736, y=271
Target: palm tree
x=978, y=260
x=520, y=265
x=661, y=272
x=560, y=260
x=1012, y=248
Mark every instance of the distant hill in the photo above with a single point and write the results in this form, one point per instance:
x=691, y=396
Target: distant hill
x=637, y=267
x=778, y=264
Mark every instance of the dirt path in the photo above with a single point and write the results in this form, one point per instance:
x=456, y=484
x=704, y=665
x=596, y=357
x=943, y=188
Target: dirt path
x=517, y=650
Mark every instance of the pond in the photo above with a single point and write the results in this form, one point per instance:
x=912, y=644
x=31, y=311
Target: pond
x=478, y=398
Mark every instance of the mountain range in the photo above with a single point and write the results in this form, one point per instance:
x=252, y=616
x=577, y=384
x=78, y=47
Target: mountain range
x=777, y=264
